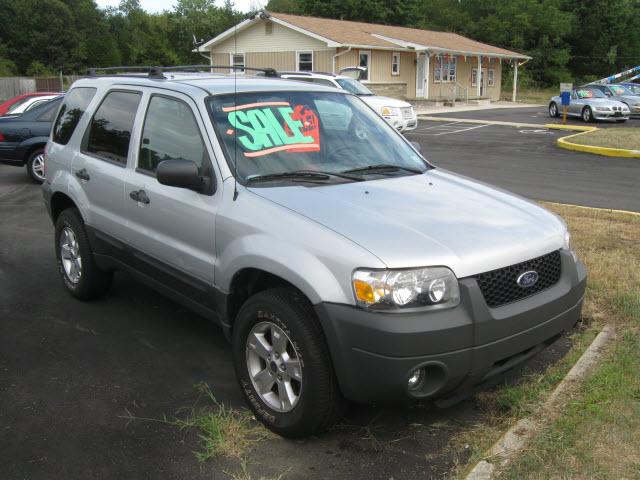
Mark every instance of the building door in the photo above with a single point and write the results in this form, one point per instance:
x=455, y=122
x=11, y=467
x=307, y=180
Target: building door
x=420, y=76
x=483, y=82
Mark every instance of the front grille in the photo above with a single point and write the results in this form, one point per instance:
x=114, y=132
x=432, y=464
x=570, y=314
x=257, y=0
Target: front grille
x=407, y=112
x=500, y=286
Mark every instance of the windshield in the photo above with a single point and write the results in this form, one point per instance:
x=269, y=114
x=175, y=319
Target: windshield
x=590, y=93
x=284, y=132
x=619, y=90
x=19, y=104
x=353, y=86
x=634, y=88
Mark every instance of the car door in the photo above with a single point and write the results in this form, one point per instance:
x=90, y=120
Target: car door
x=576, y=104
x=100, y=167
x=171, y=230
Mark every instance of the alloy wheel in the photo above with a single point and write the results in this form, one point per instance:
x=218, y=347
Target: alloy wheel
x=37, y=167
x=70, y=255
x=274, y=366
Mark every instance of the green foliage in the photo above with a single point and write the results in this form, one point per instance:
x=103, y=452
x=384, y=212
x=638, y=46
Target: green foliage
x=568, y=40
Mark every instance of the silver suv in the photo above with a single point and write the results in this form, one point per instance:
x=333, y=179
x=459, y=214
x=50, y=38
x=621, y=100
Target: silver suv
x=337, y=260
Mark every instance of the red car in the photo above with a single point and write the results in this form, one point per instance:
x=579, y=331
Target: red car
x=21, y=98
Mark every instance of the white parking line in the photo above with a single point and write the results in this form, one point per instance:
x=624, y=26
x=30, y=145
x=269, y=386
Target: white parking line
x=460, y=131
x=435, y=126
x=449, y=128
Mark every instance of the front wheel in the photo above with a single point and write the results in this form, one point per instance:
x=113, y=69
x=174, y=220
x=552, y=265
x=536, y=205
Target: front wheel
x=283, y=365
x=35, y=165
x=587, y=114
x=553, y=110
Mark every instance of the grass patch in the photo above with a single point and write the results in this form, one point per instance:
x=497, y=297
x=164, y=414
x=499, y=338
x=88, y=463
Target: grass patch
x=628, y=138
x=222, y=430
x=598, y=434
x=540, y=96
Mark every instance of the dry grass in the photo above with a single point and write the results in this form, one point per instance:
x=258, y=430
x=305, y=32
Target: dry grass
x=598, y=433
x=540, y=96
x=627, y=138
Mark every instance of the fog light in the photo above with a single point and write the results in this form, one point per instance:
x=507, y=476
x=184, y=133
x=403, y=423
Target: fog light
x=415, y=380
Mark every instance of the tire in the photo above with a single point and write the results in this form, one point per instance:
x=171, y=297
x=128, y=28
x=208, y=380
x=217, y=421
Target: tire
x=318, y=403
x=553, y=110
x=587, y=114
x=88, y=282
x=35, y=165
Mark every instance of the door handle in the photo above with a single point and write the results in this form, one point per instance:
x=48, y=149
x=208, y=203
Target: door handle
x=82, y=174
x=140, y=196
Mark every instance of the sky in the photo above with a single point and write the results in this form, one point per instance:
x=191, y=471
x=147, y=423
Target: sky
x=160, y=5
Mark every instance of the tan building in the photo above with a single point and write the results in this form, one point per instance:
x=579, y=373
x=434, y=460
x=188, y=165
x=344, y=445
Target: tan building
x=401, y=62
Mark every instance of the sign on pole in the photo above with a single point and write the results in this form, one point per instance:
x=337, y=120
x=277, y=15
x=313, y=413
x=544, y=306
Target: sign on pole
x=565, y=96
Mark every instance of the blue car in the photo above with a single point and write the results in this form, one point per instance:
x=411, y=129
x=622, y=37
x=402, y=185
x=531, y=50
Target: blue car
x=23, y=138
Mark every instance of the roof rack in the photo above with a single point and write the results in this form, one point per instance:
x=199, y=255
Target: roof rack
x=157, y=72
x=306, y=73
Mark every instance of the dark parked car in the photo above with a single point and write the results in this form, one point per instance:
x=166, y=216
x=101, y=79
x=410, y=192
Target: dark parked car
x=23, y=138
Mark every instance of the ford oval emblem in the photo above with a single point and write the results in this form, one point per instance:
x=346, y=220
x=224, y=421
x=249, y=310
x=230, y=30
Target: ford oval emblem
x=527, y=279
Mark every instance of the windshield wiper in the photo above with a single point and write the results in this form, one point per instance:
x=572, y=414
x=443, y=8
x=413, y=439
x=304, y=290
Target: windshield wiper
x=382, y=168
x=301, y=176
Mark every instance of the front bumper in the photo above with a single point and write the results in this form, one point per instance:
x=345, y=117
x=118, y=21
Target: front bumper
x=610, y=115
x=403, y=124
x=460, y=348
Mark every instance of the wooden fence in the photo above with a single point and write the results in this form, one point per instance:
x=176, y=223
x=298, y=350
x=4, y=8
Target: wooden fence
x=14, y=86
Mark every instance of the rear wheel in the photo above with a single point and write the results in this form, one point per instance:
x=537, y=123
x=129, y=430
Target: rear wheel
x=553, y=110
x=587, y=114
x=35, y=165
x=80, y=274
x=283, y=364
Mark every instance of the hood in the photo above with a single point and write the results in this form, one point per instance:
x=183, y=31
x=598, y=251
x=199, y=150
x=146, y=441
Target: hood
x=378, y=101
x=437, y=218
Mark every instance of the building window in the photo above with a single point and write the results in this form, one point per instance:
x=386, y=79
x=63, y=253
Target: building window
x=305, y=61
x=474, y=77
x=237, y=60
x=491, y=74
x=445, y=69
x=395, y=64
x=364, y=60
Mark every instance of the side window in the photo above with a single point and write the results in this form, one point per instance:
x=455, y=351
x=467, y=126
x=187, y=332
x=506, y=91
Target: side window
x=75, y=104
x=170, y=132
x=111, y=125
x=49, y=113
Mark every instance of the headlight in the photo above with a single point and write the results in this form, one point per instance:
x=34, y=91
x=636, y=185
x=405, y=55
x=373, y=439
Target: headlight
x=433, y=287
x=603, y=109
x=568, y=245
x=390, y=112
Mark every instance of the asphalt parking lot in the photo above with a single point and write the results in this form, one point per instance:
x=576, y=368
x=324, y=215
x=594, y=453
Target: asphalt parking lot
x=538, y=115
x=526, y=161
x=70, y=371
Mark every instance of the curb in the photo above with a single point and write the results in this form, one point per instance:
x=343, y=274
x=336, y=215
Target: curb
x=608, y=210
x=606, y=151
x=515, y=439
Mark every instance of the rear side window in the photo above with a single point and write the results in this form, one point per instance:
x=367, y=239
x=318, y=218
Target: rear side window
x=110, y=129
x=75, y=104
x=170, y=132
x=48, y=113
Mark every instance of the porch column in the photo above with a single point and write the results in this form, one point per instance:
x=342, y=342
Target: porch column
x=479, y=77
x=515, y=81
x=427, y=58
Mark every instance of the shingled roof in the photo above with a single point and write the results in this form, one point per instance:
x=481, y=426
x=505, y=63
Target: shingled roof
x=339, y=33
x=369, y=34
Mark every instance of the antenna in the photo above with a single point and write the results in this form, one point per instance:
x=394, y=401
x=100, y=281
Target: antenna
x=235, y=104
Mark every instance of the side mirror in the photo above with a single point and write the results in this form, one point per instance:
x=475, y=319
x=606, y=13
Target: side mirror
x=417, y=146
x=181, y=173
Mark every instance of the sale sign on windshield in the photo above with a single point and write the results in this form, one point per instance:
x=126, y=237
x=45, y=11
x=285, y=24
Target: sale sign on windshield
x=264, y=128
